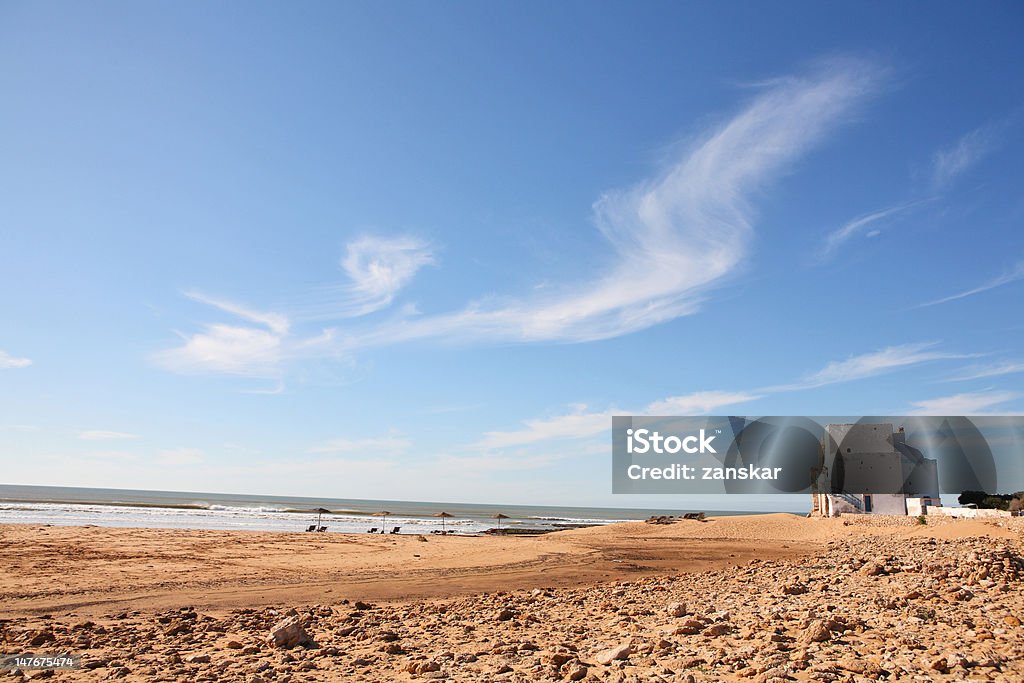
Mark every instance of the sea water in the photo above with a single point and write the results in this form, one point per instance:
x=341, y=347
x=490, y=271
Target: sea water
x=188, y=510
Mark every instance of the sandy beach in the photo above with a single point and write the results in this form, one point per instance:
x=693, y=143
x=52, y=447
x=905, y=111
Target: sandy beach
x=94, y=570
x=764, y=598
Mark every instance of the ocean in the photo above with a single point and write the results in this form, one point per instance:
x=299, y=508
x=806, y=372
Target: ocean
x=188, y=510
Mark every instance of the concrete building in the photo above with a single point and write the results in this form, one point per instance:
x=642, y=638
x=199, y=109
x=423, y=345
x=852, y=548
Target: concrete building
x=877, y=471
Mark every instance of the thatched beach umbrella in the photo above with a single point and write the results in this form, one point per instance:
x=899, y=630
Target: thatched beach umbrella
x=500, y=517
x=443, y=516
x=320, y=512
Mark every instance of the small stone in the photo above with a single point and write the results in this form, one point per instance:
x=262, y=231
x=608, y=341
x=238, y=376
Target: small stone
x=816, y=632
x=676, y=609
x=690, y=627
x=177, y=628
x=421, y=667
x=614, y=653
x=872, y=569
x=861, y=666
x=41, y=637
x=719, y=629
x=556, y=659
x=938, y=664
x=576, y=672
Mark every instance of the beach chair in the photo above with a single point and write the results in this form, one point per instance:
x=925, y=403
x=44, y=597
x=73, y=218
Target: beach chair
x=372, y=531
x=311, y=527
x=395, y=530
x=322, y=529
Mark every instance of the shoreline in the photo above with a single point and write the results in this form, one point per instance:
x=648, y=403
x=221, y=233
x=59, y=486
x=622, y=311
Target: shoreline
x=229, y=512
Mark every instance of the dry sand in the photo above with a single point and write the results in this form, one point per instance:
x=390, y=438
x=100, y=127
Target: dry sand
x=764, y=598
x=93, y=570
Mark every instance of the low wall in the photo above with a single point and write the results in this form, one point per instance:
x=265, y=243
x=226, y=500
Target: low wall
x=1005, y=521
x=861, y=519
x=967, y=513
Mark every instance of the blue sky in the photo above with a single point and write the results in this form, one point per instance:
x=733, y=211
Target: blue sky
x=425, y=251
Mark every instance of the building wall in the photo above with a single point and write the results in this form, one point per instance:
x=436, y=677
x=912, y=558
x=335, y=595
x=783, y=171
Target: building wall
x=870, y=472
x=922, y=479
x=916, y=507
x=888, y=504
x=874, y=459
x=863, y=438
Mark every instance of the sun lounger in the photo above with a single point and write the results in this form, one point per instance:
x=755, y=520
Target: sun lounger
x=372, y=531
x=322, y=529
x=311, y=527
x=395, y=530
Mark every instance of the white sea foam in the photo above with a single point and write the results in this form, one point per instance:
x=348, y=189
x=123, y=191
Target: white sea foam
x=227, y=517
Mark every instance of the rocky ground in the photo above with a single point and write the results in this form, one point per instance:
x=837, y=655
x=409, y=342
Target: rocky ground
x=867, y=608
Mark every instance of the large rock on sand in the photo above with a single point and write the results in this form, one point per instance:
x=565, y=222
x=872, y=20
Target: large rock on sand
x=288, y=633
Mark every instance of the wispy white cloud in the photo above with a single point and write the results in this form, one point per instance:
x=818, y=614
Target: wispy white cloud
x=871, y=364
x=379, y=267
x=837, y=238
x=104, y=435
x=949, y=163
x=275, y=322
x=244, y=350
x=675, y=236
x=975, y=403
x=984, y=372
x=391, y=443
x=580, y=423
x=9, y=362
x=577, y=424
x=1012, y=275
x=180, y=456
x=698, y=403
x=672, y=238
x=227, y=349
